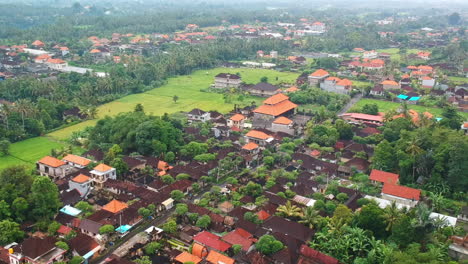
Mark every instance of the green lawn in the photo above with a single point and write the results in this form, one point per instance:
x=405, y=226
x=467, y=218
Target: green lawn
x=458, y=80
x=159, y=100
x=29, y=151
x=385, y=106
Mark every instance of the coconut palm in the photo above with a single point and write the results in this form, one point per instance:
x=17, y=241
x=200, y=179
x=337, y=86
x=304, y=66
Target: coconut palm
x=23, y=106
x=310, y=217
x=391, y=215
x=414, y=150
x=288, y=210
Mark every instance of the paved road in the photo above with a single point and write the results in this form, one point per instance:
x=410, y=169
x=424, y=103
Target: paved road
x=350, y=104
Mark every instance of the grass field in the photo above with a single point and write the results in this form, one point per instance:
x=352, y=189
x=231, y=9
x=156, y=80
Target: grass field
x=458, y=80
x=28, y=151
x=385, y=106
x=159, y=100
x=394, y=52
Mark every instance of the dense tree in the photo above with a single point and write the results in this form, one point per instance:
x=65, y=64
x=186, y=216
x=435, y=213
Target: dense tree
x=9, y=232
x=4, y=147
x=204, y=221
x=268, y=245
x=153, y=247
x=44, y=198
x=170, y=227
x=371, y=217
x=177, y=195
x=106, y=229
x=384, y=157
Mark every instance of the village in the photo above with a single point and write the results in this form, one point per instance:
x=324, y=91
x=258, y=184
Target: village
x=255, y=184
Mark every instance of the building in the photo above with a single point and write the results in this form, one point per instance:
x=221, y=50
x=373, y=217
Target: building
x=336, y=85
x=262, y=89
x=258, y=137
x=227, y=80
x=236, y=121
x=273, y=107
x=52, y=167
x=35, y=250
x=383, y=177
x=274, y=54
x=401, y=194
x=56, y=64
x=359, y=118
x=283, y=124
x=82, y=184
x=372, y=54
x=198, y=115
x=101, y=173
x=390, y=85
x=428, y=82
x=317, y=76
x=76, y=161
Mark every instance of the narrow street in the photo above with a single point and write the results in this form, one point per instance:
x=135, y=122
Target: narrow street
x=350, y=104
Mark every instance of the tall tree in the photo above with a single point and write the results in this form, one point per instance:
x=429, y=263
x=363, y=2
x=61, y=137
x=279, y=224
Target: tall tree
x=44, y=198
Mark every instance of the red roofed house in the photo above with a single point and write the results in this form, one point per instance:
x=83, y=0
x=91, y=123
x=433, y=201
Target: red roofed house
x=336, y=85
x=52, y=167
x=401, y=194
x=38, y=44
x=35, y=250
x=383, y=177
x=235, y=238
x=362, y=118
x=309, y=255
x=81, y=183
x=76, y=161
x=283, y=124
x=218, y=258
x=237, y=121
x=273, y=107
x=101, y=173
x=258, y=137
x=317, y=76
x=211, y=241
x=390, y=84
x=56, y=64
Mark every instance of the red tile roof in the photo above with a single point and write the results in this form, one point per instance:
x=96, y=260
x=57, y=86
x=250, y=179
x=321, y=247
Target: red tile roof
x=81, y=178
x=277, y=98
x=102, y=167
x=234, y=238
x=237, y=117
x=316, y=256
x=383, y=176
x=115, y=206
x=282, y=120
x=55, y=61
x=319, y=73
x=257, y=134
x=401, y=191
x=389, y=82
x=51, y=161
x=263, y=215
x=250, y=146
x=77, y=160
x=211, y=240
x=218, y=258
x=364, y=116
x=277, y=109
x=185, y=257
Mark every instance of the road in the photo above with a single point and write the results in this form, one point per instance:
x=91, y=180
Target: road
x=350, y=104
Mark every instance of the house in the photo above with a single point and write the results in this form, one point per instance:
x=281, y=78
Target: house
x=52, y=167
x=227, y=80
x=262, y=89
x=377, y=90
x=84, y=246
x=198, y=115
x=211, y=241
x=383, y=177
x=115, y=206
x=76, y=161
x=317, y=77
x=424, y=55
x=358, y=118
x=38, y=44
x=390, y=84
x=283, y=124
x=336, y=85
x=89, y=227
x=36, y=250
x=82, y=184
x=372, y=54
x=236, y=121
x=186, y=257
x=401, y=194
x=218, y=258
x=56, y=64
x=273, y=107
x=290, y=228
x=309, y=255
x=101, y=173
x=427, y=82
x=258, y=137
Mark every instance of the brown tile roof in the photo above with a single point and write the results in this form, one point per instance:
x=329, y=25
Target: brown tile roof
x=277, y=98
x=34, y=247
x=82, y=244
x=277, y=109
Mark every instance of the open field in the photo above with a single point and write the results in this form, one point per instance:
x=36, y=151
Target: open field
x=385, y=106
x=28, y=151
x=394, y=52
x=458, y=80
x=159, y=100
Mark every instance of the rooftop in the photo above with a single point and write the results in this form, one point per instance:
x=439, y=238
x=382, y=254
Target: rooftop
x=383, y=176
x=51, y=161
x=401, y=191
x=115, y=206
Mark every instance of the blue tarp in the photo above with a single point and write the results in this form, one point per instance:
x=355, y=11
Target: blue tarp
x=123, y=229
x=414, y=98
x=402, y=96
x=70, y=210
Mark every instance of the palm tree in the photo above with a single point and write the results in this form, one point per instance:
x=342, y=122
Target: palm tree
x=404, y=109
x=391, y=215
x=23, y=106
x=288, y=210
x=414, y=150
x=309, y=217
